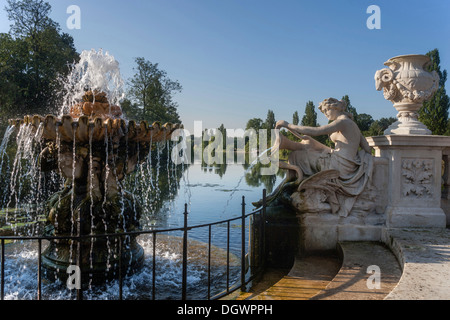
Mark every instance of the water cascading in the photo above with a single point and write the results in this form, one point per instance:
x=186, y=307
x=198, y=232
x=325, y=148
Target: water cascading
x=93, y=148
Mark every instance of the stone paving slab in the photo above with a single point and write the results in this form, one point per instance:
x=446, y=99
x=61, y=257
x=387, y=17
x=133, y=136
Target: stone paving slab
x=425, y=257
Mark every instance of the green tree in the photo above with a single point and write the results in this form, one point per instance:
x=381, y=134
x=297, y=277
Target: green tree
x=295, y=118
x=270, y=120
x=269, y=124
x=254, y=123
x=434, y=112
x=131, y=109
x=152, y=92
x=310, y=120
x=223, y=131
x=364, y=121
x=34, y=55
x=378, y=127
x=350, y=109
x=310, y=117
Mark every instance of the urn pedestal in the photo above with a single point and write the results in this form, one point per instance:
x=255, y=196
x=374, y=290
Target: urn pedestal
x=414, y=178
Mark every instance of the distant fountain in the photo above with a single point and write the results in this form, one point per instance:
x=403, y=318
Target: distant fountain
x=93, y=148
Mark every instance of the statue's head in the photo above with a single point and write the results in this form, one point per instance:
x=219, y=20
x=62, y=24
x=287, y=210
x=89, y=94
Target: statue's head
x=335, y=104
x=332, y=103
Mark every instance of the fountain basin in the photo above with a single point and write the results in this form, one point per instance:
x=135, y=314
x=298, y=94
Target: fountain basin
x=84, y=127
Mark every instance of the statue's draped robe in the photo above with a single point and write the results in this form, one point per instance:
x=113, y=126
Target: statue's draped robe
x=353, y=174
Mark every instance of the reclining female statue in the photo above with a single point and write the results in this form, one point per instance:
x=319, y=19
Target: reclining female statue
x=340, y=173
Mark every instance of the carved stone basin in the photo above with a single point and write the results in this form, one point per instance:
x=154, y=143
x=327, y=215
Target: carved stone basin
x=68, y=128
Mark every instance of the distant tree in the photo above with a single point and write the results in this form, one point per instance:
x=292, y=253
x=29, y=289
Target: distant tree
x=295, y=118
x=254, y=123
x=269, y=124
x=152, y=91
x=270, y=120
x=364, y=121
x=378, y=127
x=310, y=120
x=434, y=113
x=223, y=131
x=29, y=17
x=350, y=109
x=310, y=117
x=131, y=109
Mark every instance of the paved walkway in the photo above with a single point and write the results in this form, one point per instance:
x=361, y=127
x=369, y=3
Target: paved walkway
x=425, y=256
x=414, y=264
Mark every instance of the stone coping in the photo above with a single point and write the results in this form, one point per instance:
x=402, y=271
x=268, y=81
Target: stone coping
x=414, y=265
x=424, y=254
x=410, y=141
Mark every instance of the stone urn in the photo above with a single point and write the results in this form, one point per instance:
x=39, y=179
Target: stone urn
x=407, y=83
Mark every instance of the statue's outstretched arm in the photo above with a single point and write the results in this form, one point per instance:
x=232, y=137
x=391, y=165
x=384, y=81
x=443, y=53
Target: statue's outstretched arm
x=327, y=129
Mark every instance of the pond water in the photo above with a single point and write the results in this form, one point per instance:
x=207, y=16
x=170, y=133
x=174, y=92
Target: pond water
x=215, y=194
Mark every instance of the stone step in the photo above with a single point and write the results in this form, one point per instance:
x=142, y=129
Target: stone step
x=308, y=276
x=329, y=277
x=362, y=262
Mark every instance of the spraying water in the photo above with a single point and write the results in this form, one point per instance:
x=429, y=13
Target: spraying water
x=96, y=70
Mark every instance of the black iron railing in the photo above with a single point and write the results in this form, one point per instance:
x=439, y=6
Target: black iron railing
x=251, y=259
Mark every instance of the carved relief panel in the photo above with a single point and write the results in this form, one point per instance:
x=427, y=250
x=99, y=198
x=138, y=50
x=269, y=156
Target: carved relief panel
x=417, y=177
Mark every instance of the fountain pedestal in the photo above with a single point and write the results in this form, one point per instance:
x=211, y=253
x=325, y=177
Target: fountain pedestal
x=99, y=257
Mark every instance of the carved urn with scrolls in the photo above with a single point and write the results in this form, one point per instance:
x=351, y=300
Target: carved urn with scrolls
x=407, y=83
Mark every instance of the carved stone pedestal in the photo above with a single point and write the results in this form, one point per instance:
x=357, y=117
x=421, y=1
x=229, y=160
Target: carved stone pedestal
x=414, y=179
x=323, y=230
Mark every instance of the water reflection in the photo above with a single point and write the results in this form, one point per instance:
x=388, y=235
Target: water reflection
x=254, y=177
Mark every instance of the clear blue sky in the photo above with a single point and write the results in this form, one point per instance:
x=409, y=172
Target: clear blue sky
x=238, y=58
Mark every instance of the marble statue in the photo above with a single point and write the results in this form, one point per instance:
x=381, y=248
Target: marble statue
x=333, y=177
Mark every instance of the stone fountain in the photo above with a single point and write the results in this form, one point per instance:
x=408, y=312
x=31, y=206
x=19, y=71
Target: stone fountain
x=93, y=148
